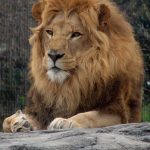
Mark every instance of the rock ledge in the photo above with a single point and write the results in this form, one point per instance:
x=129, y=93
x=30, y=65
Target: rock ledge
x=120, y=137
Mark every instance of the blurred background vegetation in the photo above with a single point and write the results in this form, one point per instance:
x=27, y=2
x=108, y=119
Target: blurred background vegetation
x=15, y=20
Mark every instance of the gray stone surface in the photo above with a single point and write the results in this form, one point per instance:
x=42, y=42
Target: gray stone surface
x=120, y=137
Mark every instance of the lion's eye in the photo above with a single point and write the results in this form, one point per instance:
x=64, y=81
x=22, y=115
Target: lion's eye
x=49, y=32
x=76, y=34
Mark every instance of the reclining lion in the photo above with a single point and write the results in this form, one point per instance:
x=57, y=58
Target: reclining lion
x=86, y=68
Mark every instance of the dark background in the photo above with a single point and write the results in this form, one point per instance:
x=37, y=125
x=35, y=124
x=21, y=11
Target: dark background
x=15, y=20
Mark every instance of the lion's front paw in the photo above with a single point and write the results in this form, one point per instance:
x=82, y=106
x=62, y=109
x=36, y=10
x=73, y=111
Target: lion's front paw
x=17, y=123
x=61, y=123
x=21, y=125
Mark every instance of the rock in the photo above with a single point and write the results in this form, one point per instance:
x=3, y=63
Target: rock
x=119, y=137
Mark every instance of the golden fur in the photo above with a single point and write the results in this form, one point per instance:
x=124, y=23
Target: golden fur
x=107, y=75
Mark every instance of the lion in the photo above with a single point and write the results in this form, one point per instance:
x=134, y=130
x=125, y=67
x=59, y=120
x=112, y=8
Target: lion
x=86, y=68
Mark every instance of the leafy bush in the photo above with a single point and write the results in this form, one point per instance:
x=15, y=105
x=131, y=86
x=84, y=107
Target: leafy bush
x=146, y=113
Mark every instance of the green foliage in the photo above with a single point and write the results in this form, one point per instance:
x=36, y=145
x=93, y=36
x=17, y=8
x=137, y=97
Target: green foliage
x=146, y=113
x=21, y=101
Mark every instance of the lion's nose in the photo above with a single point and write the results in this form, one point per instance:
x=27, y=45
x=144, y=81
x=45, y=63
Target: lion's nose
x=55, y=55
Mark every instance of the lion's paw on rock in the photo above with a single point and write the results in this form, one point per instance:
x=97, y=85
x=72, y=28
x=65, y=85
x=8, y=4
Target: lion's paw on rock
x=17, y=123
x=21, y=125
x=61, y=123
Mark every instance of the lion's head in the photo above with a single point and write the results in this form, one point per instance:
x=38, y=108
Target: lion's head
x=64, y=38
x=68, y=33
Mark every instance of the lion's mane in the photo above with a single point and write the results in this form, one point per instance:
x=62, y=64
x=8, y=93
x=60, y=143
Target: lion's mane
x=111, y=72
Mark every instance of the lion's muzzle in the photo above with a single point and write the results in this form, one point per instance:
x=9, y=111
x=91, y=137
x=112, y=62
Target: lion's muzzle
x=59, y=65
x=55, y=55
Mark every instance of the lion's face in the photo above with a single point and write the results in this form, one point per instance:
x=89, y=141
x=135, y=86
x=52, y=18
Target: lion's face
x=66, y=35
x=63, y=39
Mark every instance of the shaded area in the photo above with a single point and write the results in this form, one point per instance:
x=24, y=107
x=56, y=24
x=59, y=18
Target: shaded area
x=14, y=54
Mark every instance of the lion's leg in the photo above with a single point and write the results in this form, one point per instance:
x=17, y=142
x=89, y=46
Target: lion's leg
x=19, y=122
x=92, y=119
x=135, y=110
x=95, y=119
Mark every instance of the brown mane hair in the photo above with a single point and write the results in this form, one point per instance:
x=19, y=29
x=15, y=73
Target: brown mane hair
x=107, y=68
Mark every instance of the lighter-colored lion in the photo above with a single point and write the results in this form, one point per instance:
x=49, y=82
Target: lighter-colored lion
x=86, y=68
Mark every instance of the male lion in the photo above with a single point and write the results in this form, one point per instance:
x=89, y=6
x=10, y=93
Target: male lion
x=86, y=68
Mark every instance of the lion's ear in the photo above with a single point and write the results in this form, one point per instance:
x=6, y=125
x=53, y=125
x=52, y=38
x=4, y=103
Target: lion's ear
x=37, y=11
x=104, y=17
